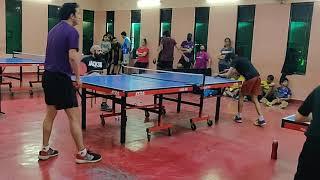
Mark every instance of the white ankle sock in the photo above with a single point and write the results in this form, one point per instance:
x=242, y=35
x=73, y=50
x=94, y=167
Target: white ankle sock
x=83, y=152
x=46, y=148
x=261, y=118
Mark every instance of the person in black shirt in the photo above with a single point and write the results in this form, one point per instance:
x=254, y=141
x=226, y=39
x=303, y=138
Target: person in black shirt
x=95, y=62
x=97, y=65
x=308, y=165
x=250, y=87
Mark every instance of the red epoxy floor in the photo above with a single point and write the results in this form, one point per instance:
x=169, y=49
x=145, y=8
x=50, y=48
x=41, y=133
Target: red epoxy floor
x=227, y=151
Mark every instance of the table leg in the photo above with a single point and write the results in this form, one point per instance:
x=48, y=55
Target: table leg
x=123, y=120
x=84, y=107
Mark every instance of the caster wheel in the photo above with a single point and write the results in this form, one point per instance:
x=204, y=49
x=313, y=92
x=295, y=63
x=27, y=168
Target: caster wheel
x=163, y=112
x=11, y=94
x=210, y=123
x=147, y=114
x=31, y=93
x=103, y=122
x=193, y=126
x=169, y=132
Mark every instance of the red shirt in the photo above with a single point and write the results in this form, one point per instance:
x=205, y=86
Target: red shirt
x=144, y=59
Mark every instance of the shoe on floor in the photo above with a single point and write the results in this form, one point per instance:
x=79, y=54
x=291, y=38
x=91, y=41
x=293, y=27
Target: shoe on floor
x=90, y=157
x=105, y=107
x=45, y=155
x=237, y=119
x=260, y=123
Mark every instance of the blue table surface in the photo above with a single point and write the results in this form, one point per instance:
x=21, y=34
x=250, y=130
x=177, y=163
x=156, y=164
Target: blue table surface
x=20, y=61
x=149, y=81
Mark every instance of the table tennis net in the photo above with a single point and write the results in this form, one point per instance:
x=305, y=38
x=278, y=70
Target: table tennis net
x=186, y=78
x=28, y=56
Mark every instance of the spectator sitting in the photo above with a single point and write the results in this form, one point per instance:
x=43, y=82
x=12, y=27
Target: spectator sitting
x=267, y=89
x=97, y=65
x=282, y=95
x=234, y=90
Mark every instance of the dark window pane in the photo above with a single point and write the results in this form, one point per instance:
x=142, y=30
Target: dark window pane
x=202, y=14
x=298, y=39
x=165, y=15
x=88, y=29
x=201, y=27
x=165, y=21
x=110, y=22
x=88, y=16
x=135, y=16
x=53, y=16
x=13, y=26
x=245, y=27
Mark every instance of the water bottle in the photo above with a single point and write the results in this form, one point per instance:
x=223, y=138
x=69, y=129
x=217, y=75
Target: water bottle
x=274, y=153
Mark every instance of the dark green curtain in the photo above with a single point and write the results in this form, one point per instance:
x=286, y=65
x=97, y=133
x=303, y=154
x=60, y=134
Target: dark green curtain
x=88, y=29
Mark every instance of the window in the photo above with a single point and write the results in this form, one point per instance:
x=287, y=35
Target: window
x=135, y=30
x=13, y=26
x=88, y=27
x=298, y=39
x=53, y=16
x=245, y=27
x=201, y=27
x=165, y=21
x=110, y=22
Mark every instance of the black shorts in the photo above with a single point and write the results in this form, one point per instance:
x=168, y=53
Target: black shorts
x=59, y=90
x=185, y=64
x=308, y=165
x=165, y=65
x=140, y=65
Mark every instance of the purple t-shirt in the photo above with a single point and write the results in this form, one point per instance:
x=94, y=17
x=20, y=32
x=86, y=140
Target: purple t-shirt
x=61, y=39
x=188, y=45
x=202, y=60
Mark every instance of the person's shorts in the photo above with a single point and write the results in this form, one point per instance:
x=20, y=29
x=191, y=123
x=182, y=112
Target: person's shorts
x=59, y=90
x=165, y=65
x=252, y=87
x=141, y=65
x=126, y=59
x=184, y=63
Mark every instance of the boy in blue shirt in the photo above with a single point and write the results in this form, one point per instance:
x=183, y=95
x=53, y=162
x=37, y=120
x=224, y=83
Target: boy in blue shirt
x=282, y=95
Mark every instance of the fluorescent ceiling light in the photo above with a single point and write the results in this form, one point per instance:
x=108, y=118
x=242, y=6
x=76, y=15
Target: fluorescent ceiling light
x=148, y=3
x=221, y=2
x=39, y=1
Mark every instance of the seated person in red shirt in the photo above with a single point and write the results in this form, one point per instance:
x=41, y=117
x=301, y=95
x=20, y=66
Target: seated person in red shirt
x=143, y=55
x=97, y=65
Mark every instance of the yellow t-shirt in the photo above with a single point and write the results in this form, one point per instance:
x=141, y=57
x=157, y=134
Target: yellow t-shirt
x=236, y=86
x=265, y=86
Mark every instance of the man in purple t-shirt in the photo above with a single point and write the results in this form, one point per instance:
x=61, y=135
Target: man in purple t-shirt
x=187, y=48
x=166, y=52
x=62, y=59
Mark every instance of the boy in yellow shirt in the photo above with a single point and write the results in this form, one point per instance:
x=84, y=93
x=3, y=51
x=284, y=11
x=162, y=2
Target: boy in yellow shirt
x=267, y=89
x=233, y=91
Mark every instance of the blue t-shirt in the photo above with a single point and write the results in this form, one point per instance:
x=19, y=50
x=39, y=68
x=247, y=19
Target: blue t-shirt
x=61, y=39
x=283, y=92
x=125, y=47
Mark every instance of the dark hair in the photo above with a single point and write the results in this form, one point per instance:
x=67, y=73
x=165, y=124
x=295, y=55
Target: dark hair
x=145, y=40
x=67, y=10
x=166, y=33
x=271, y=77
x=124, y=33
x=104, y=36
x=227, y=39
x=284, y=79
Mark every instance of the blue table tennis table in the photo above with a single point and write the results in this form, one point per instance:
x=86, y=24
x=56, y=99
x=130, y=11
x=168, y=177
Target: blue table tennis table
x=290, y=123
x=120, y=87
x=18, y=62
